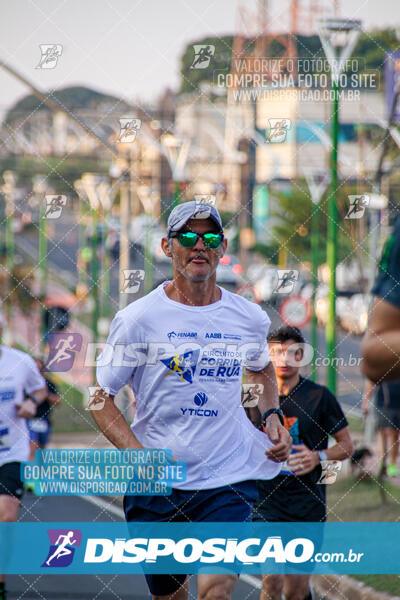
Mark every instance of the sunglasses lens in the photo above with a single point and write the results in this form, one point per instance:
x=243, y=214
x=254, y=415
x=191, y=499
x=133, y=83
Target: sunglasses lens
x=212, y=240
x=187, y=239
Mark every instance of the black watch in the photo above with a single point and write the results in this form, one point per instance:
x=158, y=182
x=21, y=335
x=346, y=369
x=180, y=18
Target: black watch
x=273, y=411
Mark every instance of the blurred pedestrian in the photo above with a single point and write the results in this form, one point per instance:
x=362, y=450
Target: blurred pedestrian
x=19, y=375
x=387, y=407
x=381, y=344
x=40, y=425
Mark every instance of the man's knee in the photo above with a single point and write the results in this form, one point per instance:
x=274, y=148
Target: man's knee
x=8, y=509
x=272, y=586
x=297, y=588
x=217, y=588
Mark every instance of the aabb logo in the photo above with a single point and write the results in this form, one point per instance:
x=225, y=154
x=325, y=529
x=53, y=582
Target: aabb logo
x=215, y=336
x=62, y=547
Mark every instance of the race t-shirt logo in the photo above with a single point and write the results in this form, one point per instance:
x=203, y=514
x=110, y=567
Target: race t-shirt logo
x=62, y=547
x=184, y=365
x=200, y=399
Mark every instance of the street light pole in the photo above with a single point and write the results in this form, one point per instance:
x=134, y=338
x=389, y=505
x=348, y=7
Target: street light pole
x=331, y=246
x=338, y=38
x=39, y=187
x=8, y=190
x=317, y=186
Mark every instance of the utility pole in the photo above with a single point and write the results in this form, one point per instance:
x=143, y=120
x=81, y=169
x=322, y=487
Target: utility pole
x=8, y=189
x=338, y=38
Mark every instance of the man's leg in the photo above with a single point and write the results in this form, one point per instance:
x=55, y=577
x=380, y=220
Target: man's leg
x=9, y=507
x=382, y=445
x=296, y=587
x=272, y=587
x=216, y=587
x=393, y=451
x=181, y=594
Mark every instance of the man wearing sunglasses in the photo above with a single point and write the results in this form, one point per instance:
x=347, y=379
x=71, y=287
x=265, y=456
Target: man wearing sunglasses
x=188, y=397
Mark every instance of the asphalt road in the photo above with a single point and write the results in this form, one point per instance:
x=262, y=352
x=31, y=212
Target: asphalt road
x=91, y=587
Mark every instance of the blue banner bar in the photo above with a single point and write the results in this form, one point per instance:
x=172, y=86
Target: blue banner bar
x=137, y=548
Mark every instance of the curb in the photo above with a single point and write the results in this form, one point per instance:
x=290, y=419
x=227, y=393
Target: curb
x=340, y=587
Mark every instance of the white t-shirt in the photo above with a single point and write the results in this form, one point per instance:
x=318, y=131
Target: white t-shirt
x=188, y=395
x=18, y=374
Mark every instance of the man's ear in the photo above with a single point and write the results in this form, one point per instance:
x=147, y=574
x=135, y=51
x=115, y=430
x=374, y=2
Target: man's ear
x=166, y=248
x=223, y=247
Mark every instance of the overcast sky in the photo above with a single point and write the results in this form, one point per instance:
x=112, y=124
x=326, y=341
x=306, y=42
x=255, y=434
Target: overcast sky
x=129, y=48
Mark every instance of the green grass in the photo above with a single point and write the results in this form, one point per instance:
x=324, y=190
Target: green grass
x=70, y=415
x=351, y=500
x=356, y=425
x=383, y=583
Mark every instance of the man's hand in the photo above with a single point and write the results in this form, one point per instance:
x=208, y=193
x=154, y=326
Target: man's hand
x=303, y=461
x=27, y=410
x=280, y=437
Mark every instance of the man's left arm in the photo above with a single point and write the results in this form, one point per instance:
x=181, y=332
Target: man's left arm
x=27, y=410
x=268, y=399
x=35, y=387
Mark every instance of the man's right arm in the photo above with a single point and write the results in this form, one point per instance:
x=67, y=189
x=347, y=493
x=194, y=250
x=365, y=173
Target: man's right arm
x=112, y=423
x=381, y=344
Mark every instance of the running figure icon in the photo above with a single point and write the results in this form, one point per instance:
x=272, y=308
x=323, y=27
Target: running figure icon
x=62, y=549
x=63, y=347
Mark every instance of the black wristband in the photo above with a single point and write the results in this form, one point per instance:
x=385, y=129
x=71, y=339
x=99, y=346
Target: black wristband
x=273, y=411
x=34, y=399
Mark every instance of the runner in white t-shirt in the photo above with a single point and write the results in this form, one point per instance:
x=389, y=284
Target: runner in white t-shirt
x=18, y=375
x=182, y=348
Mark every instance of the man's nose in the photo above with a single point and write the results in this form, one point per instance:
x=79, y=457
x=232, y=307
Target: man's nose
x=199, y=245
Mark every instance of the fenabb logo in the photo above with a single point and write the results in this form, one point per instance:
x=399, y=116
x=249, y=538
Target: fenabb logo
x=62, y=547
x=200, y=400
x=181, y=334
x=191, y=550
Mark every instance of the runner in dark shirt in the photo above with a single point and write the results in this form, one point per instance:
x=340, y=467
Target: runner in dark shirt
x=311, y=414
x=381, y=343
x=40, y=425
